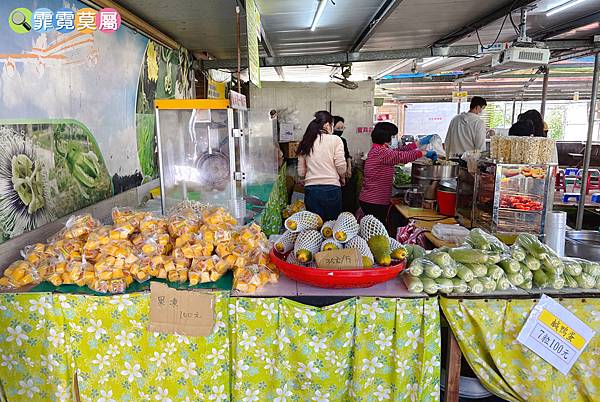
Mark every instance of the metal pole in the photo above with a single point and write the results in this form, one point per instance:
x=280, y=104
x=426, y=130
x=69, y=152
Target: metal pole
x=544, y=91
x=588, y=144
x=512, y=120
x=458, y=106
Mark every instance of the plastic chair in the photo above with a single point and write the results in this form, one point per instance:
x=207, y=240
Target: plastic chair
x=571, y=171
x=590, y=184
x=596, y=198
x=567, y=197
x=560, y=184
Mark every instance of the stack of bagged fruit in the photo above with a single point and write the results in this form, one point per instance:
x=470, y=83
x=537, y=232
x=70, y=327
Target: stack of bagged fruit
x=293, y=208
x=485, y=264
x=190, y=247
x=306, y=234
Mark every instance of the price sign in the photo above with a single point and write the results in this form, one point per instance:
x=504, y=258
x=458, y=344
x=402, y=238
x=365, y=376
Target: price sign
x=555, y=334
x=237, y=100
x=459, y=96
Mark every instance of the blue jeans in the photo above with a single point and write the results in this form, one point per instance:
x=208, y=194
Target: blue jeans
x=323, y=200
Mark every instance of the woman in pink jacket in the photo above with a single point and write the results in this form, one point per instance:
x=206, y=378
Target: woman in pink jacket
x=376, y=192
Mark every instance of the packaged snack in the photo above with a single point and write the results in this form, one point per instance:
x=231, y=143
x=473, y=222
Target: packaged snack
x=18, y=274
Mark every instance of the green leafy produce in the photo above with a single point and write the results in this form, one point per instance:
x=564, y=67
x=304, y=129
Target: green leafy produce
x=460, y=286
x=527, y=274
x=445, y=285
x=585, y=281
x=552, y=264
x=517, y=252
x=541, y=279
x=597, y=283
x=510, y=266
x=515, y=278
x=430, y=269
x=494, y=258
x=413, y=284
x=572, y=267
x=533, y=245
x=489, y=285
x=503, y=283
x=476, y=286
x=468, y=255
x=527, y=285
x=484, y=241
x=590, y=268
x=449, y=271
x=479, y=270
x=429, y=286
x=494, y=272
x=416, y=267
x=557, y=281
x=570, y=281
x=532, y=263
x=414, y=251
x=440, y=258
x=464, y=272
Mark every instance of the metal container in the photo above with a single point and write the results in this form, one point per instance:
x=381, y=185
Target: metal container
x=583, y=244
x=429, y=177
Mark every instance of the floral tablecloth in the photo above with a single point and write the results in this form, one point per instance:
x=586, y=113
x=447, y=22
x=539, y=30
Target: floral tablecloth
x=487, y=330
x=275, y=349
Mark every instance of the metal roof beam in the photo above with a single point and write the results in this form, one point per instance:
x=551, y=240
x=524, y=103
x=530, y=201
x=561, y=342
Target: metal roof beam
x=482, y=22
x=382, y=13
x=566, y=26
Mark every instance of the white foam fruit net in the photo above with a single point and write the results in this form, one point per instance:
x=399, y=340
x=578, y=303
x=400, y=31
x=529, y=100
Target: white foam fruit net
x=371, y=226
x=286, y=242
x=394, y=244
x=346, y=223
x=327, y=229
x=308, y=240
x=361, y=245
x=334, y=243
x=305, y=220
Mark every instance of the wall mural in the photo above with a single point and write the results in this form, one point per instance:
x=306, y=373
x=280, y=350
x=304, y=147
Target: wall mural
x=77, y=116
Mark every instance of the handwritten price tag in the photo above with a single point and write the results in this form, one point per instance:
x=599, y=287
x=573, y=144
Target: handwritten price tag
x=555, y=334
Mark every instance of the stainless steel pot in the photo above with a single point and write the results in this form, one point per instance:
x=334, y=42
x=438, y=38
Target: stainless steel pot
x=583, y=244
x=429, y=177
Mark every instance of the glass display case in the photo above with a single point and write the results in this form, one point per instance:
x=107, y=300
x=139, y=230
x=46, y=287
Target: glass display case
x=507, y=199
x=209, y=153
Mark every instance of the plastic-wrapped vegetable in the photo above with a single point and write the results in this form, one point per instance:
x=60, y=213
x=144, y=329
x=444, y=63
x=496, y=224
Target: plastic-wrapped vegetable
x=416, y=267
x=479, y=270
x=540, y=279
x=464, y=272
x=515, y=278
x=527, y=285
x=476, y=286
x=532, y=263
x=527, y=274
x=503, y=283
x=597, y=283
x=413, y=284
x=425, y=267
x=557, y=281
x=460, y=286
x=440, y=258
x=553, y=264
x=585, y=281
x=494, y=258
x=532, y=244
x=570, y=281
x=445, y=285
x=484, y=241
x=429, y=285
x=414, y=251
x=572, y=267
x=510, y=266
x=494, y=272
x=468, y=255
x=449, y=271
x=517, y=252
x=489, y=285
x=590, y=268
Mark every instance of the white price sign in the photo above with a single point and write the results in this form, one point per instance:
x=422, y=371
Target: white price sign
x=555, y=334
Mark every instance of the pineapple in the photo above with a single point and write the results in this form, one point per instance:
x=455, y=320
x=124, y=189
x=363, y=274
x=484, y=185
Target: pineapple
x=345, y=227
x=327, y=229
x=307, y=245
x=373, y=231
x=303, y=220
x=361, y=245
x=398, y=252
x=286, y=242
x=331, y=244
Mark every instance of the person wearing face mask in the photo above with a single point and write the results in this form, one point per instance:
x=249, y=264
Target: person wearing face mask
x=322, y=163
x=466, y=131
x=338, y=129
x=375, y=196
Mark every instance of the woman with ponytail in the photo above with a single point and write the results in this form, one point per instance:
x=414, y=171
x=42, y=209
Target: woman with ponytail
x=322, y=163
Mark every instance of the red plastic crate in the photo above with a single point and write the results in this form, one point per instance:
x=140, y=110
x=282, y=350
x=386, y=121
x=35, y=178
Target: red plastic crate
x=337, y=279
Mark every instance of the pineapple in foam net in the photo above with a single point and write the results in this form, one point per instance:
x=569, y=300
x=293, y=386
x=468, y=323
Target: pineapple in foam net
x=303, y=220
x=307, y=245
x=345, y=227
x=373, y=231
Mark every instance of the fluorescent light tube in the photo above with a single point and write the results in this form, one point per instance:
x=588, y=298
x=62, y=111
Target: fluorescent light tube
x=318, y=14
x=563, y=7
x=430, y=62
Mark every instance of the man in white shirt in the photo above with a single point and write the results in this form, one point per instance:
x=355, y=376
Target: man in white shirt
x=467, y=131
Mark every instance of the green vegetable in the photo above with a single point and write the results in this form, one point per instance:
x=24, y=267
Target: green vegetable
x=494, y=258
x=572, y=267
x=440, y=258
x=598, y=283
x=445, y=285
x=468, y=255
x=532, y=244
x=479, y=270
x=460, y=286
x=449, y=271
x=527, y=274
x=585, y=281
x=503, y=283
x=517, y=252
x=489, y=285
x=540, y=279
x=464, y=272
x=510, y=266
x=494, y=272
x=570, y=281
x=416, y=267
x=557, y=281
x=532, y=263
x=590, y=268
x=515, y=278
x=413, y=284
x=430, y=269
x=414, y=251
x=429, y=286
x=484, y=241
x=476, y=286
x=527, y=285
x=552, y=265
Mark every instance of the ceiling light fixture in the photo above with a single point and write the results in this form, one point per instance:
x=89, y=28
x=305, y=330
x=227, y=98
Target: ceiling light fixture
x=563, y=7
x=318, y=14
x=431, y=61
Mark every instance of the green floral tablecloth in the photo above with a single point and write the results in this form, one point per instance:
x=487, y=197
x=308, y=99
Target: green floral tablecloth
x=261, y=349
x=487, y=331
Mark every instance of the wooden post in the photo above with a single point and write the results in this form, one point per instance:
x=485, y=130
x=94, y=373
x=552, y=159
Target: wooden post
x=452, y=368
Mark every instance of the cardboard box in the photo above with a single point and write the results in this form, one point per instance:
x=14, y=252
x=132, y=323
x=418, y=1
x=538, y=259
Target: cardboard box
x=290, y=149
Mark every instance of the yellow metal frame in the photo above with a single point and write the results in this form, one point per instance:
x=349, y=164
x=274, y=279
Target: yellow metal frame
x=171, y=104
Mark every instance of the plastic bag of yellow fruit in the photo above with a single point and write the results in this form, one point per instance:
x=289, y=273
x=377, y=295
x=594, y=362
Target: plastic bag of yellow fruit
x=218, y=217
x=290, y=210
x=128, y=215
x=152, y=224
x=180, y=225
x=77, y=227
x=18, y=274
x=251, y=277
